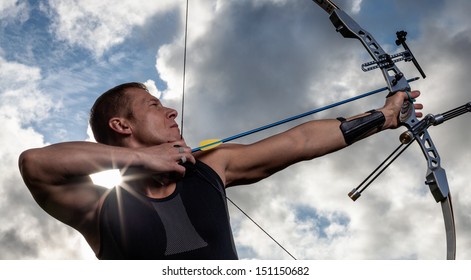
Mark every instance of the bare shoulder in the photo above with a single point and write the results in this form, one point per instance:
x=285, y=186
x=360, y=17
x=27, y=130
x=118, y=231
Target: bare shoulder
x=219, y=158
x=239, y=164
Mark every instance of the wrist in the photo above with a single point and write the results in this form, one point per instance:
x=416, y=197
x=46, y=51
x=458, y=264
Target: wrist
x=390, y=118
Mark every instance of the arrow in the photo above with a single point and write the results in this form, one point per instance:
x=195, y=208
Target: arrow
x=213, y=143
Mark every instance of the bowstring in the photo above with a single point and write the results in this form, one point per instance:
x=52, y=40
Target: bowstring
x=184, y=69
x=181, y=133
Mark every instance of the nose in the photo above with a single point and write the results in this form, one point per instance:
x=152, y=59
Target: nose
x=171, y=113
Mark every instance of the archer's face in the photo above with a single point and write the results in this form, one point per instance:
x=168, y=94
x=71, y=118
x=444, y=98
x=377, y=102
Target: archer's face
x=152, y=123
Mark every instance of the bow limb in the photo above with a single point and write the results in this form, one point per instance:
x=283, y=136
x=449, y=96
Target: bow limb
x=396, y=81
x=438, y=183
x=449, y=219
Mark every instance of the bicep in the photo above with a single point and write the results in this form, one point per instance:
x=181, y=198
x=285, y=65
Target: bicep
x=245, y=164
x=254, y=162
x=239, y=164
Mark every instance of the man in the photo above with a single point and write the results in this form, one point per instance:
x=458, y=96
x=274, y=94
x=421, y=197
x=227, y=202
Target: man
x=172, y=203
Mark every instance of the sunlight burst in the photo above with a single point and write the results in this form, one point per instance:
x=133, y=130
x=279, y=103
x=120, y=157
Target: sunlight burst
x=107, y=178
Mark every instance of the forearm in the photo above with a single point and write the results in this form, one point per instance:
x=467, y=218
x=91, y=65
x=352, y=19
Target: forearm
x=326, y=136
x=59, y=162
x=250, y=163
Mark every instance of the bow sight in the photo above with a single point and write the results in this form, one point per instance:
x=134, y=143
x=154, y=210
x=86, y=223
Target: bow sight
x=386, y=60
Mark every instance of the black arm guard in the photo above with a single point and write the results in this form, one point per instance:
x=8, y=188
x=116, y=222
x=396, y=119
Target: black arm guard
x=354, y=130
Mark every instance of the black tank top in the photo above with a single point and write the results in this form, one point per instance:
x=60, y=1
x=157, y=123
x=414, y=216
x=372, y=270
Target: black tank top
x=191, y=223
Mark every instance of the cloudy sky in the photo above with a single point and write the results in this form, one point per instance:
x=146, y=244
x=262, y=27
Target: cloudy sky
x=249, y=63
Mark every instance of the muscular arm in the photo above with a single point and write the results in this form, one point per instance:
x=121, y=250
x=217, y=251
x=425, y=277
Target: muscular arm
x=243, y=164
x=57, y=176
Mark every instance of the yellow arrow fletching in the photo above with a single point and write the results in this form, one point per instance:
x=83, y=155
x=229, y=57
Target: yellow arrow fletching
x=209, y=144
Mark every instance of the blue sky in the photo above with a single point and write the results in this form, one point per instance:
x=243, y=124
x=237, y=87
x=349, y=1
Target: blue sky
x=249, y=63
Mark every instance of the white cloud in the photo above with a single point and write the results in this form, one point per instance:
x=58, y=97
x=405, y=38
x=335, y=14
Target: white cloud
x=13, y=10
x=26, y=232
x=100, y=25
x=150, y=84
x=20, y=98
x=356, y=6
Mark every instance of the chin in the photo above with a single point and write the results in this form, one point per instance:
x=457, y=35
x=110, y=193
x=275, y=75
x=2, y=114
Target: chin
x=175, y=138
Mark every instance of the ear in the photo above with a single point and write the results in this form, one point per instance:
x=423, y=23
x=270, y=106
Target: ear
x=120, y=125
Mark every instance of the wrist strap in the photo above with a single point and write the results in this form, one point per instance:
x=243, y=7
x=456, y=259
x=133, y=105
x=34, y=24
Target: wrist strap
x=356, y=129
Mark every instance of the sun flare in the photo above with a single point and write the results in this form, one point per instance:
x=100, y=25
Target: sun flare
x=107, y=178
